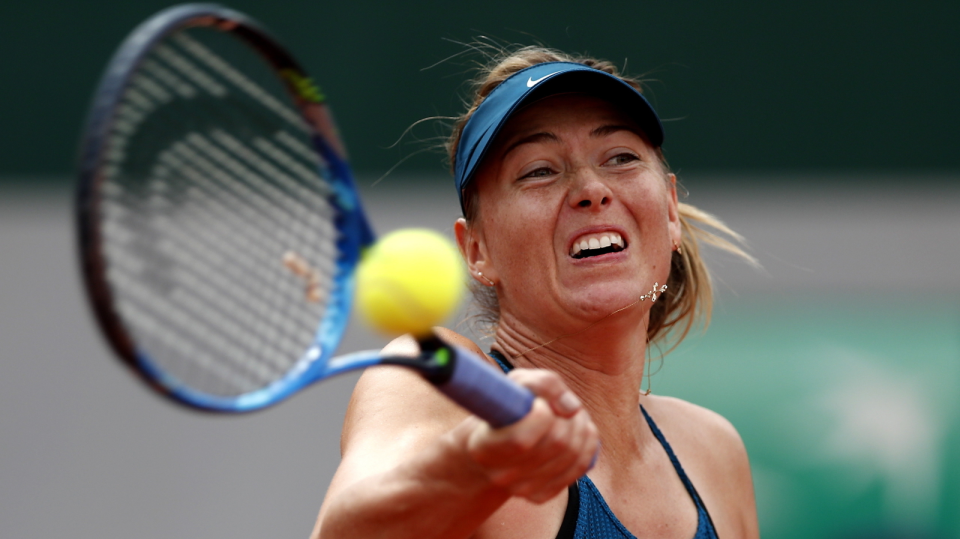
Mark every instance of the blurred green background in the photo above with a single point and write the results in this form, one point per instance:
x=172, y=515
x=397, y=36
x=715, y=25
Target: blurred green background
x=848, y=406
x=826, y=132
x=744, y=86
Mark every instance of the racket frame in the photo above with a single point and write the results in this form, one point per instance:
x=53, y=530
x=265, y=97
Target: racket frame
x=355, y=233
x=458, y=373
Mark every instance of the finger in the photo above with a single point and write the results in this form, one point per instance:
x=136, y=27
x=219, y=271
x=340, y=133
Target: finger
x=509, y=446
x=550, y=387
x=538, y=456
x=590, y=448
x=562, y=455
x=545, y=482
x=567, y=456
x=559, y=442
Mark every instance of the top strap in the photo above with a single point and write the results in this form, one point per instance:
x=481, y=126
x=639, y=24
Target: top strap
x=673, y=458
x=501, y=360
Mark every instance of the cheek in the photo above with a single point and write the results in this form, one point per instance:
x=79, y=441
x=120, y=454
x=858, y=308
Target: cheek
x=509, y=233
x=653, y=201
x=651, y=211
x=519, y=238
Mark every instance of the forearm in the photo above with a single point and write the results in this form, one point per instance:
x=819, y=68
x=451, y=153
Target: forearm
x=439, y=493
x=407, y=472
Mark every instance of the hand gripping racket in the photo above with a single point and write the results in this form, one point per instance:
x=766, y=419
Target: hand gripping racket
x=214, y=190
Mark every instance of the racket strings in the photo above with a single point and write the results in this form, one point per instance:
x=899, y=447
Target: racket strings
x=205, y=252
x=225, y=205
x=200, y=283
x=233, y=203
x=200, y=204
x=196, y=308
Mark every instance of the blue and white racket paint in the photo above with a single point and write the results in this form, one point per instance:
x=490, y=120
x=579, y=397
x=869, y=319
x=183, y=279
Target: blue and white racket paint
x=219, y=225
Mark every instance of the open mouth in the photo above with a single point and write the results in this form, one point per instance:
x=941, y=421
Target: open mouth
x=590, y=245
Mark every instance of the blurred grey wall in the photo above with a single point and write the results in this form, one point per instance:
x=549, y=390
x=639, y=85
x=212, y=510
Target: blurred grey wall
x=86, y=452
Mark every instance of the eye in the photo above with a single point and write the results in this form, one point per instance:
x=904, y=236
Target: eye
x=624, y=158
x=620, y=159
x=541, y=172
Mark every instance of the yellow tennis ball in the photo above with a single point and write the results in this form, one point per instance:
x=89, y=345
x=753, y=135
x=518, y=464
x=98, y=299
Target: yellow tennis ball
x=409, y=281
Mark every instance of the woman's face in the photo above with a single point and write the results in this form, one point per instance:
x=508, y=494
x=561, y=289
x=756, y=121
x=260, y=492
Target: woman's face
x=576, y=215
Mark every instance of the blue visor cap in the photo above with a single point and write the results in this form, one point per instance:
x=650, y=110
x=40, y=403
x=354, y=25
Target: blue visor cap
x=536, y=82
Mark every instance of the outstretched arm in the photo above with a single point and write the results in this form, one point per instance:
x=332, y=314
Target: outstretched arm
x=416, y=465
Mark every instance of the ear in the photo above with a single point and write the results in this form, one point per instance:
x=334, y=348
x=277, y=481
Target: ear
x=474, y=252
x=673, y=210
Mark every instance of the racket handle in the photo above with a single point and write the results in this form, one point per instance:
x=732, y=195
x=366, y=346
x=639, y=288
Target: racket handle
x=485, y=391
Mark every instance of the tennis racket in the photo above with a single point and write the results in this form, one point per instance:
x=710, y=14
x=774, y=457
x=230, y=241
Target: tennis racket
x=219, y=225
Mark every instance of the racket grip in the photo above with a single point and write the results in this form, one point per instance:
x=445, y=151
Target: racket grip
x=485, y=391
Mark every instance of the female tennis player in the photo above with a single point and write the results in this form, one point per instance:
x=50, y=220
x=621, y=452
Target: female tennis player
x=584, y=259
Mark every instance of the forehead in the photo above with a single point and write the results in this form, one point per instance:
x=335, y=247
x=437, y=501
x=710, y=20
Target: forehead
x=563, y=112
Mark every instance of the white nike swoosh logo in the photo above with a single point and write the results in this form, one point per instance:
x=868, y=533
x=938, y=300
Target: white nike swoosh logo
x=531, y=83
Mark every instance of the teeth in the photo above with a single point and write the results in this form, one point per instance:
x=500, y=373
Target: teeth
x=596, y=242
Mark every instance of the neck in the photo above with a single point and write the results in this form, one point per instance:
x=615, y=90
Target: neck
x=603, y=363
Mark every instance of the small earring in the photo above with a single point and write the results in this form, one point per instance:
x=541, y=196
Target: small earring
x=646, y=373
x=489, y=282
x=677, y=247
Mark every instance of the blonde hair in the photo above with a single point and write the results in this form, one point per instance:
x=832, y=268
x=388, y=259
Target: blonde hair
x=688, y=300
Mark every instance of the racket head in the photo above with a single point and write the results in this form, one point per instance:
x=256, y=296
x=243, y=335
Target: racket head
x=207, y=157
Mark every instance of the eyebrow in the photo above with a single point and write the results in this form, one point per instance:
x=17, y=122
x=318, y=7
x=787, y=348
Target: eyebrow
x=605, y=130
x=602, y=131
x=536, y=137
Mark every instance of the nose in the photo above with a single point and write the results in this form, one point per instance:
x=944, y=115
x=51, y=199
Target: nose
x=590, y=191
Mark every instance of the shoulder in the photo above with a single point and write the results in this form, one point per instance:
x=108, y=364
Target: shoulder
x=713, y=455
x=695, y=427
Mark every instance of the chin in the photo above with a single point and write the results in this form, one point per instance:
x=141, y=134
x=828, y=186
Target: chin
x=603, y=299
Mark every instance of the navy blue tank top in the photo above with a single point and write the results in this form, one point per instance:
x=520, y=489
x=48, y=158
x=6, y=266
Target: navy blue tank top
x=589, y=517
